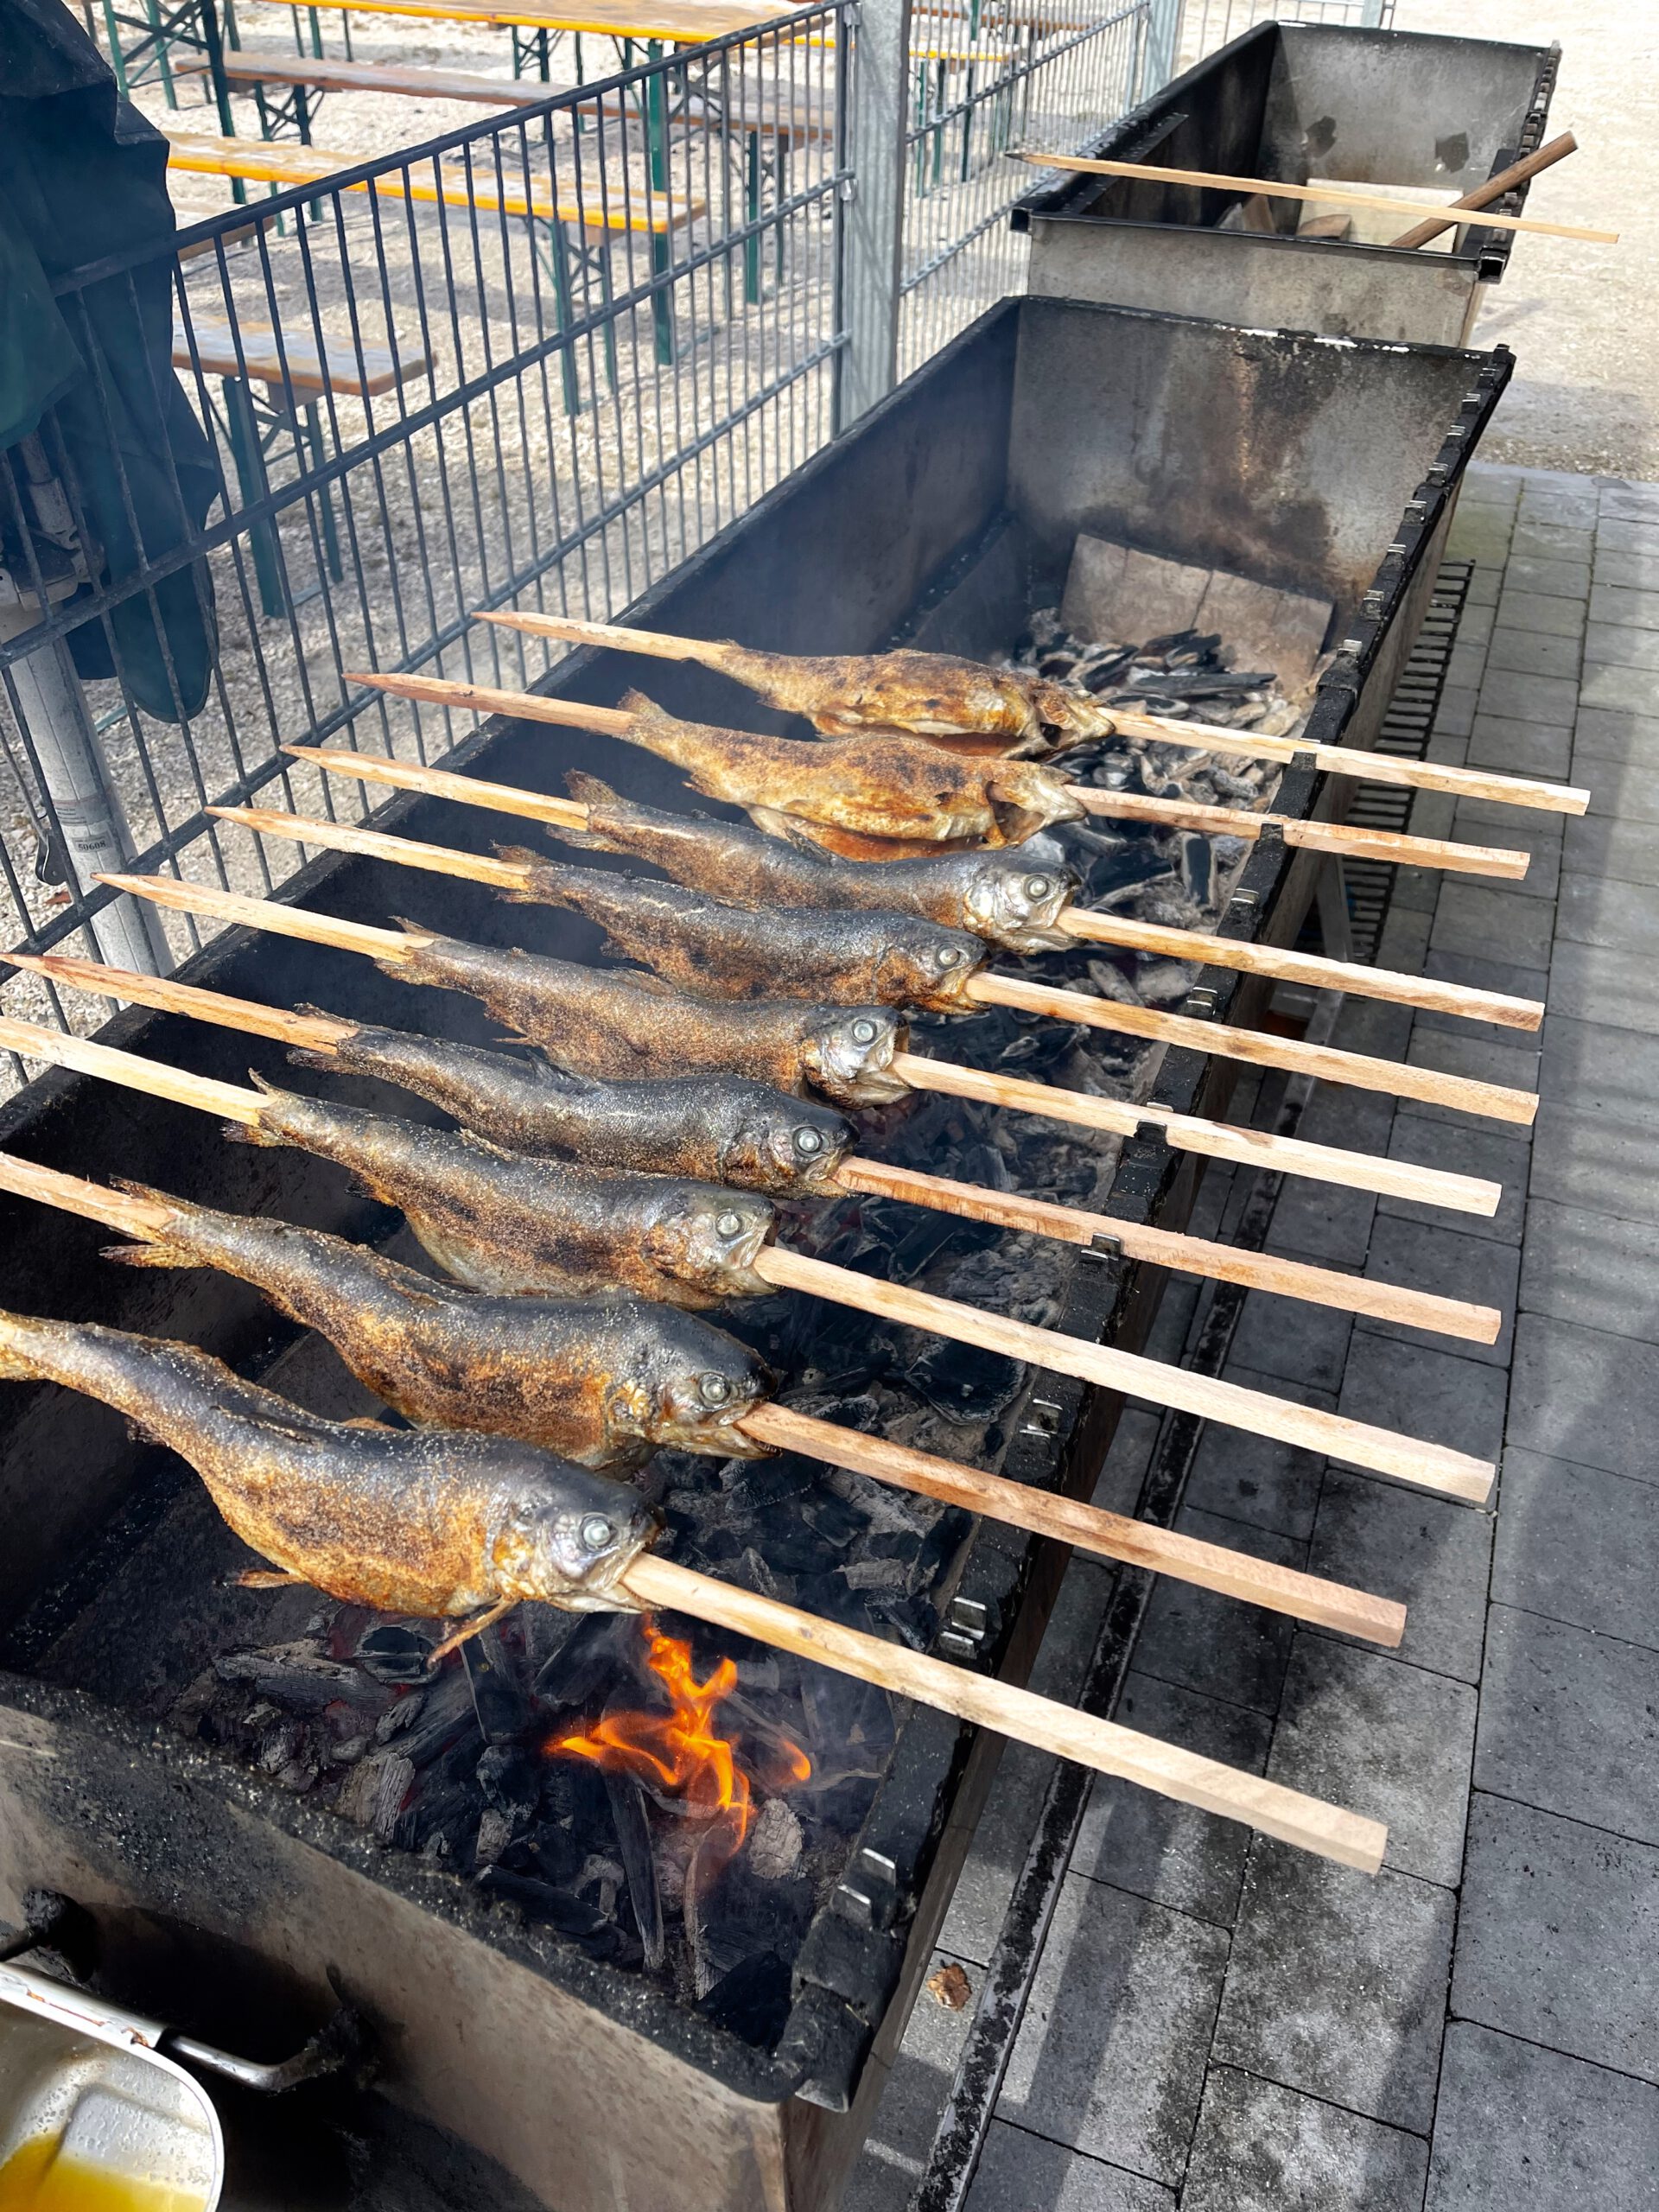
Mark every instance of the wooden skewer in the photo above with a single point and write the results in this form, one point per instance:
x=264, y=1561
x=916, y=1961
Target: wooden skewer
x=1216, y=1139
x=1340, y=759
x=1209, y=180
x=1212, y=1567
x=1494, y=188
x=1431, y=1467
x=1009, y=1210
x=1019, y=1714
x=1258, y=1047
x=1313, y=836
x=1214, y=821
x=1106, y=929
x=1304, y=1597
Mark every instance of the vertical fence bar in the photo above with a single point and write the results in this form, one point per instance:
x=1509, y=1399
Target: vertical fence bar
x=872, y=230
x=1162, y=44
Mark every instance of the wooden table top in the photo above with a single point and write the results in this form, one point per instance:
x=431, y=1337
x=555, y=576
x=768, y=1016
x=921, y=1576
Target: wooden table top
x=680, y=23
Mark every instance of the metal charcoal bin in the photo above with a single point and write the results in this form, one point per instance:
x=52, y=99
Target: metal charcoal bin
x=223, y=1902
x=1291, y=103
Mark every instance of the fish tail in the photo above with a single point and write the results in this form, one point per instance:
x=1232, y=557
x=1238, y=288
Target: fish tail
x=541, y=886
x=655, y=728
x=27, y=1345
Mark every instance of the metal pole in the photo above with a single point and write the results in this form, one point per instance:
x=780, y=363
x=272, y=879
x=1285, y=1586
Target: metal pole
x=872, y=223
x=80, y=791
x=1163, y=43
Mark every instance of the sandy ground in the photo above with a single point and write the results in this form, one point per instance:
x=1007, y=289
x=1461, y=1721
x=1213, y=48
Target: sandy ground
x=1580, y=318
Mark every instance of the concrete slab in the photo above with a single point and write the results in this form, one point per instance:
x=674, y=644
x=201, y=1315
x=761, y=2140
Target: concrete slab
x=1593, y=1269
x=1600, y=846
x=1337, y=1983
x=1291, y=1340
x=902, y=2131
x=1616, y=732
x=1617, y=788
x=1584, y=1394
x=1174, y=1855
x=1636, y=572
x=1386, y=1740
x=1558, y=541
x=1504, y=975
x=1255, y=1480
x=1260, y=2148
x=1625, y=691
x=1324, y=1222
x=1453, y=1264
x=1576, y=1544
x=1469, y=1149
x=1429, y=1553
x=1558, y=1939
x=1110, y=2059
x=1480, y=1054
x=1620, y=643
x=1485, y=921
x=1620, y=534
x=1200, y=1641
x=1634, y=609
x=1619, y=987
x=1439, y=1395
x=1598, y=910
x=1020, y=2170
x=1518, y=2126
x=1503, y=737
x=1374, y=1026
x=1539, y=572
x=1534, y=652
x=1600, y=1068
x=1569, y=1722
x=1456, y=714
x=1540, y=614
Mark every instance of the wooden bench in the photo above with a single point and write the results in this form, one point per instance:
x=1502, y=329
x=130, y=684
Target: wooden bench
x=295, y=372
x=307, y=78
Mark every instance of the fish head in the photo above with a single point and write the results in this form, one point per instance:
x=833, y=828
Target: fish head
x=709, y=1238
x=702, y=1392
x=786, y=1144
x=1026, y=791
x=1069, y=716
x=1015, y=899
x=848, y=1053
x=922, y=964
x=567, y=1537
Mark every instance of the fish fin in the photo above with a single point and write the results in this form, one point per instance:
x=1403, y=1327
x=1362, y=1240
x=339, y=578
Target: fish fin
x=307, y=1056
x=268, y=1578
x=542, y=890
x=641, y=979
x=587, y=790
x=160, y=1254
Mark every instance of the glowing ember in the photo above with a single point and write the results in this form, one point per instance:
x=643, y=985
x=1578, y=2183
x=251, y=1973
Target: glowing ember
x=678, y=1755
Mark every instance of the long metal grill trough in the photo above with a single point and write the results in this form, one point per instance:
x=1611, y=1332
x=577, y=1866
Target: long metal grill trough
x=489, y=1910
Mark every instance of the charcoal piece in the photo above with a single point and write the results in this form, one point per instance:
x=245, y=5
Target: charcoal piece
x=1056, y=668
x=911, y=1621
x=600, y=1937
x=1035, y=1050
x=589, y=1661
x=502, y=1700
x=761, y=1486
x=791, y=1549
x=632, y=1827
x=1126, y=869
x=849, y=1722
x=836, y=1523
x=775, y=1842
x=934, y=1233
x=510, y=1778
x=392, y=1652
x=751, y=2000
x=965, y=1383
x=446, y=1717
x=297, y=1677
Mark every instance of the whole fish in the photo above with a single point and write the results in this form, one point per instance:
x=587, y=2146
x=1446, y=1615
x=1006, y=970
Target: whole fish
x=428, y=1522
x=596, y=1021
x=879, y=783
x=693, y=942
x=718, y=1128
x=1010, y=899
x=602, y=1383
x=497, y=1221
x=959, y=702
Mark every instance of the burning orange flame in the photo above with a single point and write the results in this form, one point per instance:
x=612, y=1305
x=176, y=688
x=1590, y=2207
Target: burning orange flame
x=679, y=1753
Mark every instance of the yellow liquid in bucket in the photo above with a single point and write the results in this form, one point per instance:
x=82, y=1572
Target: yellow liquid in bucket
x=36, y=2179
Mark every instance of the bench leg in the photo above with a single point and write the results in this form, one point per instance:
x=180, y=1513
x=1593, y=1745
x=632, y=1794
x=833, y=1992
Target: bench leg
x=564, y=306
x=662, y=249
x=242, y=430
x=751, y=206
x=325, y=496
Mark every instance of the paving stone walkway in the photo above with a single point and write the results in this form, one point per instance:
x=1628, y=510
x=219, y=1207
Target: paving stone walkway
x=1226, y=2026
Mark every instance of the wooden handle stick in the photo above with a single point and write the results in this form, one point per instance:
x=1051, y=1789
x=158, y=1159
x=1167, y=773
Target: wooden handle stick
x=1282, y=1278
x=1355, y=1171
x=1315, y=970
x=1212, y=1567
x=1222, y=820
x=1106, y=929
x=1313, y=836
x=1495, y=1101
x=1209, y=180
x=1017, y=1713
x=1494, y=188
x=1259, y=1047
x=1304, y=1597
x=1430, y=1466
x=1216, y=1139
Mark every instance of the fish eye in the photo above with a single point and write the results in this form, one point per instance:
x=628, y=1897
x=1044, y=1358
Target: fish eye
x=729, y=1223
x=1038, y=886
x=863, y=1031
x=809, y=1142
x=715, y=1389
x=948, y=954
x=597, y=1532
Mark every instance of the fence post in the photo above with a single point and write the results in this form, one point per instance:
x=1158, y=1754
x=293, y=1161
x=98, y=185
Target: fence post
x=876, y=111
x=81, y=799
x=1163, y=41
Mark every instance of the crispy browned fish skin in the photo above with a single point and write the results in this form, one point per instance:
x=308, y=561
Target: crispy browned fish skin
x=1002, y=897
x=716, y=1128
x=879, y=783
x=850, y=958
x=429, y=1522
x=956, y=703
x=602, y=1383
x=497, y=1221
x=600, y=1021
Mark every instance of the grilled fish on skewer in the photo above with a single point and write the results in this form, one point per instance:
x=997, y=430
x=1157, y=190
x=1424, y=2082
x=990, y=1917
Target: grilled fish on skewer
x=692, y=941
x=429, y=1522
x=1009, y=898
x=499, y=1222
x=602, y=1384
